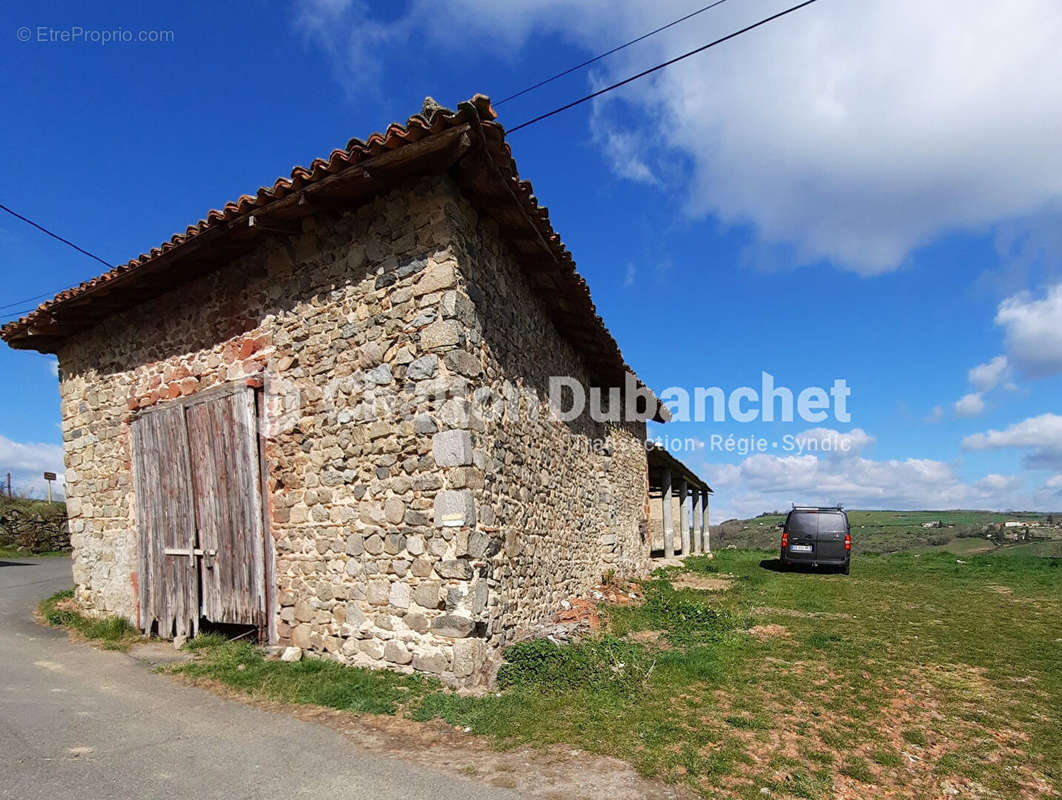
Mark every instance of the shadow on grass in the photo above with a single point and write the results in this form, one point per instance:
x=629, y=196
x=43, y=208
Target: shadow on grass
x=776, y=565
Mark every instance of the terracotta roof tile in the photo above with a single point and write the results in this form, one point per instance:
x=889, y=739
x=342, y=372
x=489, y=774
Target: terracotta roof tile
x=576, y=310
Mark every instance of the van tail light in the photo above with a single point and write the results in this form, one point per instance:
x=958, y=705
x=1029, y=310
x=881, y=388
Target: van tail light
x=848, y=541
x=785, y=539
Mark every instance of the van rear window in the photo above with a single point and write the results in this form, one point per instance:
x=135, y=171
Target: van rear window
x=832, y=523
x=801, y=522
x=812, y=522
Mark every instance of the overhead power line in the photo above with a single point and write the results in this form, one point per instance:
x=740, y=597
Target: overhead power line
x=522, y=125
x=27, y=300
x=607, y=53
x=44, y=230
x=54, y=235
x=659, y=67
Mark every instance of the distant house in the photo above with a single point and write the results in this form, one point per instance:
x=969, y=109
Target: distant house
x=277, y=419
x=1013, y=523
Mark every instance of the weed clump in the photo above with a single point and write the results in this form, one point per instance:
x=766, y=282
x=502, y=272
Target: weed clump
x=688, y=619
x=112, y=633
x=604, y=663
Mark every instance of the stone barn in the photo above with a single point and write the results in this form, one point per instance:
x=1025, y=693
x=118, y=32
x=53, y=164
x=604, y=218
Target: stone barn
x=323, y=412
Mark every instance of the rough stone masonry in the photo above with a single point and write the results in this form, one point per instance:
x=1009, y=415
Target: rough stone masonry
x=414, y=525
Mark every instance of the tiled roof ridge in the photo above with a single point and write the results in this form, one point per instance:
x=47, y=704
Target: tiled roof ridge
x=357, y=150
x=593, y=337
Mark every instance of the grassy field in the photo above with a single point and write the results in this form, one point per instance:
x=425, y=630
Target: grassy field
x=899, y=531
x=920, y=675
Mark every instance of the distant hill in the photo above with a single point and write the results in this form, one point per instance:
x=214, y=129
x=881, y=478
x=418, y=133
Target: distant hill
x=958, y=531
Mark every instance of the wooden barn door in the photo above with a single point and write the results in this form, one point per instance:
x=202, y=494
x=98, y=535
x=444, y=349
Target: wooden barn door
x=223, y=442
x=199, y=513
x=168, y=584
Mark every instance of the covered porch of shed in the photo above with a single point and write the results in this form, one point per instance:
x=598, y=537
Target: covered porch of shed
x=676, y=492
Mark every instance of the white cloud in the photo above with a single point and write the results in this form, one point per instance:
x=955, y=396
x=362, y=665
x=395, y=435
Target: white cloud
x=996, y=482
x=53, y=366
x=624, y=152
x=1040, y=436
x=764, y=482
x=628, y=277
x=352, y=40
x=27, y=462
x=1033, y=331
x=1054, y=482
x=827, y=440
x=936, y=414
x=985, y=377
x=854, y=132
x=970, y=405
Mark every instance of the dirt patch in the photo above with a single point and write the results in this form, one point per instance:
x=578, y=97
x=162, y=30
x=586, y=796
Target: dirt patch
x=792, y=612
x=579, y=613
x=157, y=653
x=655, y=640
x=619, y=593
x=769, y=631
x=707, y=583
x=551, y=773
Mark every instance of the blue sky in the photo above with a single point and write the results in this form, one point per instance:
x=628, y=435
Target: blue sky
x=869, y=192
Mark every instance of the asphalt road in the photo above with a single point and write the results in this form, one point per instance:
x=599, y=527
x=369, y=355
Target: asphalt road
x=76, y=722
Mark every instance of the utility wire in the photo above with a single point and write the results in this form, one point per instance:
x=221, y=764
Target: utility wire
x=607, y=53
x=41, y=228
x=28, y=299
x=526, y=124
x=658, y=67
x=12, y=315
x=67, y=242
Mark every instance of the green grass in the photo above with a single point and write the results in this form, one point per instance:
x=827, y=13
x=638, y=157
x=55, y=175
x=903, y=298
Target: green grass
x=111, y=633
x=952, y=663
x=962, y=532
x=915, y=737
x=241, y=666
x=910, y=646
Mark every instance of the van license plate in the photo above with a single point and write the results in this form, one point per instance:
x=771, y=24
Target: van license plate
x=800, y=548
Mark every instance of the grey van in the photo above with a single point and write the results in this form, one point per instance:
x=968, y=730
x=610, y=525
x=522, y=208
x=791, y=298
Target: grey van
x=817, y=537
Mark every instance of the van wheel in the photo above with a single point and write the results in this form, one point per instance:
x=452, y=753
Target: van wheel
x=846, y=569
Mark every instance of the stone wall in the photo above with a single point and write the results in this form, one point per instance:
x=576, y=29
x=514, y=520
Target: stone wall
x=418, y=521
x=567, y=500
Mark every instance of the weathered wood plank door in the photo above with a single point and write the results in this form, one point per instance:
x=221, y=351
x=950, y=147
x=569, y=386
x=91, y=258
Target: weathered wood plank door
x=168, y=585
x=200, y=531
x=223, y=445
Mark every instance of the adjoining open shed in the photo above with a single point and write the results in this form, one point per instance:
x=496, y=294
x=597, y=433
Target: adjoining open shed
x=323, y=412
x=676, y=493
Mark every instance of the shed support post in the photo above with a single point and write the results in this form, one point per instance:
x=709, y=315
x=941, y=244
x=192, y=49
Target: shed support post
x=698, y=522
x=705, y=526
x=684, y=517
x=669, y=530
